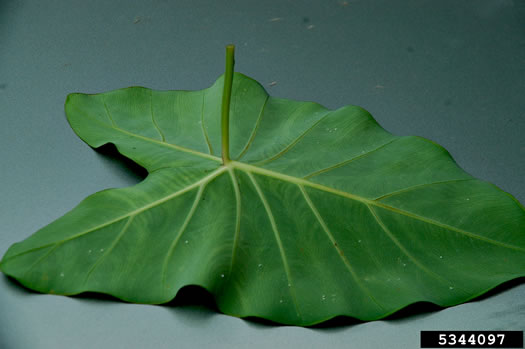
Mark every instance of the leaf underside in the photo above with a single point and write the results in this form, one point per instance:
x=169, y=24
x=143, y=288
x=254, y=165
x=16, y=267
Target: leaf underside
x=321, y=212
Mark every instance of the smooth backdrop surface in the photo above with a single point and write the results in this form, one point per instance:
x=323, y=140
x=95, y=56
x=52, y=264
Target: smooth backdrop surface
x=451, y=71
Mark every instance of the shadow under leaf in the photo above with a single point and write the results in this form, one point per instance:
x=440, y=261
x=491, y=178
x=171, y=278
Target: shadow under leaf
x=125, y=166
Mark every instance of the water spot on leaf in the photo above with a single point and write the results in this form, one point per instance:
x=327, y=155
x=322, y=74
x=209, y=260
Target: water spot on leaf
x=62, y=274
x=186, y=242
x=222, y=275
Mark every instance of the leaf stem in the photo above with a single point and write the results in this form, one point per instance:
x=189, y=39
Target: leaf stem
x=226, y=97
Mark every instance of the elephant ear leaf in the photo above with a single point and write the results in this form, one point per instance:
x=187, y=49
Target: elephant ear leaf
x=281, y=209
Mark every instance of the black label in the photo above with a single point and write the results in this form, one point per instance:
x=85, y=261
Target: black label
x=471, y=339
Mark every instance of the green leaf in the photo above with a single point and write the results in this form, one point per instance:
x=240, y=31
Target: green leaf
x=318, y=213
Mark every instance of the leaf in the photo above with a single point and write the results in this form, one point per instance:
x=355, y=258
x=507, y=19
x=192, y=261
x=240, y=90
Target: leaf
x=319, y=213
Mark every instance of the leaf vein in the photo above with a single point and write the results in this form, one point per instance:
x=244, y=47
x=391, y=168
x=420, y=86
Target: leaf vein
x=254, y=131
x=153, y=117
x=277, y=239
x=295, y=180
x=206, y=179
x=237, y=218
x=41, y=258
x=113, y=244
x=345, y=260
x=180, y=232
x=177, y=147
x=343, y=163
x=403, y=249
x=107, y=113
x=163, y=144
x=419, y=186
x=294, y=142
x=206, y=138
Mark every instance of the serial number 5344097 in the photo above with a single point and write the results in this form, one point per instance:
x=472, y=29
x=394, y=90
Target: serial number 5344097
x=472, y=339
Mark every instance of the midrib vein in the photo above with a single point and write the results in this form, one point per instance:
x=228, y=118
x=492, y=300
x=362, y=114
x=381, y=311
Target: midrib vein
x=202, y=181
x=169, y=145
x=299, y=181
x=151, y=140
x=268, y=173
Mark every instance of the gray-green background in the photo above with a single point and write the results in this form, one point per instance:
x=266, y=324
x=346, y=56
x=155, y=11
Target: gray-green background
x=451, y=71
